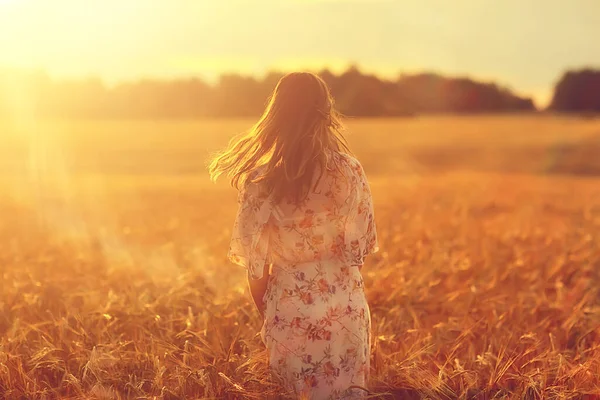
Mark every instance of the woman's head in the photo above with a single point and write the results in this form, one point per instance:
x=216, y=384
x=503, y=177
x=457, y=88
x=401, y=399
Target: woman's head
x=300, y=98
x=291, y=141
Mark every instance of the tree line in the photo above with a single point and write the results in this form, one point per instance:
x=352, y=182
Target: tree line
x=577, y=91
x=356, y=94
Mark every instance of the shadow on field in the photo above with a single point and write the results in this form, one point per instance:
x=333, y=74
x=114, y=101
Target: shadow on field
x=581, y=158
x=576, y=159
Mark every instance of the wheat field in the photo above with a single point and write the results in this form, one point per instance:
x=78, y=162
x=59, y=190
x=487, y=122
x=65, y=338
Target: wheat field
x=115, y=283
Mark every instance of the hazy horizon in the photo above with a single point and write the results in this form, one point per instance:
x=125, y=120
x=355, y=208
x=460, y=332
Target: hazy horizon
x=525, y=47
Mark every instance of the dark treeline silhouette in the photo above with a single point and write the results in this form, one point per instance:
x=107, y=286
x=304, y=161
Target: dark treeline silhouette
x=577, y=91
x=357, y=94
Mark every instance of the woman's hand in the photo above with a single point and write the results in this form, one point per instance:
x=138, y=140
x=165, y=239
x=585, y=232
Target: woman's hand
x=258, y=288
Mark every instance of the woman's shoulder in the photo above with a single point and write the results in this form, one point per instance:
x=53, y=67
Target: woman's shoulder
x=254, y=187
x=348, y=161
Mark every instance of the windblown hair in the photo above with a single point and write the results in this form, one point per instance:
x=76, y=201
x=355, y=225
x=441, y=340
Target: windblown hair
x=291, y=144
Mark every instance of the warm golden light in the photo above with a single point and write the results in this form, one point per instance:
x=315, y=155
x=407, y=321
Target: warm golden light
x=119, y=40
x=114, y=243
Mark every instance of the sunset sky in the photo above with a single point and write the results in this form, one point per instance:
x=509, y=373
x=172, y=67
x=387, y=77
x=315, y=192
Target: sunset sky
x=524, y=44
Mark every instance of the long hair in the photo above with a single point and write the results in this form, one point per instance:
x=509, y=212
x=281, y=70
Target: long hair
x=295, y=137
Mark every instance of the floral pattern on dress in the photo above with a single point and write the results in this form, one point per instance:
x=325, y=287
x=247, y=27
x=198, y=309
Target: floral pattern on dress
x=317, y=321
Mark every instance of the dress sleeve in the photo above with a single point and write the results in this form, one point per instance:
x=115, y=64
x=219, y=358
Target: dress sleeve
x=250, y=239
x=361, y=232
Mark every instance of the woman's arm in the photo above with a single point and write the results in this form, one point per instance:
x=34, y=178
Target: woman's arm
x=258, y=287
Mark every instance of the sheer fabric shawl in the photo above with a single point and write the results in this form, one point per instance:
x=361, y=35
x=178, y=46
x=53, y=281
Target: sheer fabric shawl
x=336, y=221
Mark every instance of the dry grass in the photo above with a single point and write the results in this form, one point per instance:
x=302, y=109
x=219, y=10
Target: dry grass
x=115, y=283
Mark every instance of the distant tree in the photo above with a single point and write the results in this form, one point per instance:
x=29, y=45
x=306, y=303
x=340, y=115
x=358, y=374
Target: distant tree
x=577, y=91
x=434, y=93
x=359, y=95
x=237, y=96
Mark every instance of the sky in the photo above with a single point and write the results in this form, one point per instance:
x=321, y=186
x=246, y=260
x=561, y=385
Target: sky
x=522, y=44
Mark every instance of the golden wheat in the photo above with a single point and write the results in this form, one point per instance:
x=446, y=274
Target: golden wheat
x=115, y=283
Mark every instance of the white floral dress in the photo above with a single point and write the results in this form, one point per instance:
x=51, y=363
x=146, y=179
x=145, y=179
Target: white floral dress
x=317, y=322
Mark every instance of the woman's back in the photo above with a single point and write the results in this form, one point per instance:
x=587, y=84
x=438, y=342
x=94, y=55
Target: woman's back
x=334, y=222
x=317, y=229
x=317, y=321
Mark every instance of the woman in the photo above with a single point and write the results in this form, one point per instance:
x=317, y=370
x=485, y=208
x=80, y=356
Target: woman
x=304, y=226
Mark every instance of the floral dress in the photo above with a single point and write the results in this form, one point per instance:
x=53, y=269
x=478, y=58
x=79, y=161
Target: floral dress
x=317, y=322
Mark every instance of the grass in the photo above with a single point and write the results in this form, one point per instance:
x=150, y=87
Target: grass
x=115, y=283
